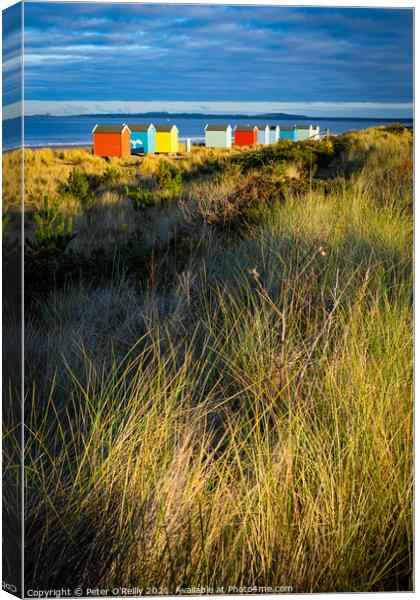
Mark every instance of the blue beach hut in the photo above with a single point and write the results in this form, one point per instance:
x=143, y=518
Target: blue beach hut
x=142, y=138
x=263, y=134
x=287, y=132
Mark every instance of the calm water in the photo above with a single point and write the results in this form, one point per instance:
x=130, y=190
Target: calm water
x=56, y=131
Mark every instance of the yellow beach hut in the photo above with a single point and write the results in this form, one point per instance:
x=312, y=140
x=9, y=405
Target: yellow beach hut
x=166, y=138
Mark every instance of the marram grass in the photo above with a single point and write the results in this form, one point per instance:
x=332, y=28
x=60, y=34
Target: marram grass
x=248, y=424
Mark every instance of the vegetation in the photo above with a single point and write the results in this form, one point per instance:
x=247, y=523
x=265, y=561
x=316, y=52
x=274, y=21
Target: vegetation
x=111, y=175
x=169, y=178
x=140, y=199
x=53, y=233
x=230, y=402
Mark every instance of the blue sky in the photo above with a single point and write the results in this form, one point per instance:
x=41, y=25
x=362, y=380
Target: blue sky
x=12, y=54
x=112, y=56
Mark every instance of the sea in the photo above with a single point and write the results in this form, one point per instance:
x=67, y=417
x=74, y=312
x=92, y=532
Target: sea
x=42, y=131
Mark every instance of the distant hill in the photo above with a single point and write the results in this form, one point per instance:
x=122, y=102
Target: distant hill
x=267, y=116
x=166, y=115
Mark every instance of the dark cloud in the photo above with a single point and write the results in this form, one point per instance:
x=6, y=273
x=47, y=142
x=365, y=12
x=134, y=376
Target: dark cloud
x=89, y=51
x=12, y=54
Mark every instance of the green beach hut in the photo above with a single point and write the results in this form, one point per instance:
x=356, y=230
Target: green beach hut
x=218, y=136
x=273, y=134
x=303, y=132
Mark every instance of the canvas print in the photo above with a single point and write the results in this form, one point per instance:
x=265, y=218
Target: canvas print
x=207, y=307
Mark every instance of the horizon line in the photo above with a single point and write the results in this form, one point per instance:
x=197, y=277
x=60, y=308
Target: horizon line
x=108, y=107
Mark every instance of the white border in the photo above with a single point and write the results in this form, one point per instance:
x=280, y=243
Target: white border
x=308, y=3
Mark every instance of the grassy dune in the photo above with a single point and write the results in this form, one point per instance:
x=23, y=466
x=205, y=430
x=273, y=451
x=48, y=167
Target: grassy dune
x=239, y=411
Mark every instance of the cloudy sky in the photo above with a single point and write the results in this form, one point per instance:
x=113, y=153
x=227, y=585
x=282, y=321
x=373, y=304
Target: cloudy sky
x=118, y=57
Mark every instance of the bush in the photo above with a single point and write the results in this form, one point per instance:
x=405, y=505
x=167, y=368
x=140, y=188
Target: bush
x=46, y=257
x=170, y=181
x=54, y=269
x=110, y=176
x=304, y=154
x=53, y=232
x=236, y=208
x=254, y=160
x=133, y=257
x=320, y=152
x=397, y=128
x=140, y=199
x=77, y=186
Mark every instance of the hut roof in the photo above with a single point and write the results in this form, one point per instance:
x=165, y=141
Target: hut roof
x=303, y=126
x=217, y=127
x=245, y=128
x=273, y=126
x=262, y=127
x=109, y=128
x=139, y=126
x=165, y=128
x=287, y=127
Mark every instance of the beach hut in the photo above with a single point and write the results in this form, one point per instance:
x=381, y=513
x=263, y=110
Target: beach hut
x=166, y=138
x=245, y=135
x=287, y=132
x=302, y=132
x=142, y=138
x=111, y=140
x=315, y=132
x=273, y=134
x=263, y=134
x=218, y=136
x=305, y=132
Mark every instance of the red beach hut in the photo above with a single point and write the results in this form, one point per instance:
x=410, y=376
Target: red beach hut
x=111, y=140
x=246, y=135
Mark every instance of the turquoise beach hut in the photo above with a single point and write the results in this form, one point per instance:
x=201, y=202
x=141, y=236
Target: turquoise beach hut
x=263, y=134
x=273, y=134
x=142, y=138
x=287, y=132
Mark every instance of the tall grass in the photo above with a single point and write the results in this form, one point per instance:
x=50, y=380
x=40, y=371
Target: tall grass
x=247, y=422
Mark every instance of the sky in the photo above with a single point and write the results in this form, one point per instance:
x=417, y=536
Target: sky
x=12, y=54
x=90, y=57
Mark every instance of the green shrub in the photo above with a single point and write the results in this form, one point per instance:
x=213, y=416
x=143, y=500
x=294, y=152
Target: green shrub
x=45, y=271
x=320, y=152
x=78, y=187
x=170, y=180
x=53, y=232
x=305, y=154
x=254, y=160
x=397, y=128
x=77, y=184
x=47, y=258
x=133, y=257
x=246, y=203
x=110, y=176
x=140, y=199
